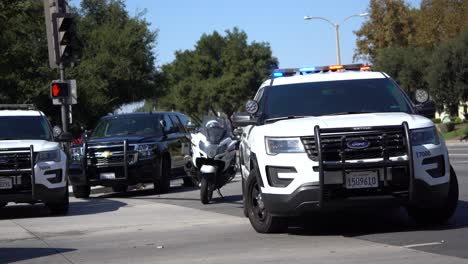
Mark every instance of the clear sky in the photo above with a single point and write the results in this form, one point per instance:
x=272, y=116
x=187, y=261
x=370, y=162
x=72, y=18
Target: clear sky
x=294, y=41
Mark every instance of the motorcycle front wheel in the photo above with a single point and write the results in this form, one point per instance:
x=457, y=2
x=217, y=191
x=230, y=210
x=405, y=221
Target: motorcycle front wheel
x=206, y=190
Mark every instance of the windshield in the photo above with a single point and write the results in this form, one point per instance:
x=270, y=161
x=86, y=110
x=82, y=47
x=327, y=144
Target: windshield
x=215, y=129
x=24, y=127
x=131, y=125
x=335, y=97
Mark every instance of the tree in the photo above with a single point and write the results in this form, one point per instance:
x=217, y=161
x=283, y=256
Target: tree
x=390, y=24
x=439, y=20
x=219, y=75
x=407, y=65
x=114, y=59
x=448, y=73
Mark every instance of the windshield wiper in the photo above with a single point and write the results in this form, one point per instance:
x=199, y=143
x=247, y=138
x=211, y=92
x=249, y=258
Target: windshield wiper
x=270, y=120
x=348, y=113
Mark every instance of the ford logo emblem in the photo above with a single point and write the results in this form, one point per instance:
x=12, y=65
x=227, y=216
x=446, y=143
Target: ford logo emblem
x=358, y=144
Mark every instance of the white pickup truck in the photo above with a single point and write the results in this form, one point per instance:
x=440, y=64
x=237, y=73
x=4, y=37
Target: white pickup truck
x=33, y=166
x=324, y=138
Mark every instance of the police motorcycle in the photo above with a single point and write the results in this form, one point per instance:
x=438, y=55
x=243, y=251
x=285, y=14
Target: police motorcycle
x=213, y=161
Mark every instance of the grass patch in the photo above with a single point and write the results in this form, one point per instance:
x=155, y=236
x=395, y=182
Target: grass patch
x=460, y=131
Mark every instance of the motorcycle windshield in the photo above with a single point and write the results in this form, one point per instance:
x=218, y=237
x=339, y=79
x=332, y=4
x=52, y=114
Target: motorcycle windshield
x=215, y=129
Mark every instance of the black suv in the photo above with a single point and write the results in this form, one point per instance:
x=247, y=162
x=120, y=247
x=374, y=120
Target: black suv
x=131, y=148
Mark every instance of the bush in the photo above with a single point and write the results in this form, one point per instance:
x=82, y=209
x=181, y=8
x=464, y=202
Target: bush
x=436, y=120
x=446, y=127
x=458, y=120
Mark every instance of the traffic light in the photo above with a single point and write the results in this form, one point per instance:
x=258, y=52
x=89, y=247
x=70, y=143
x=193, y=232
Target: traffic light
x=62, y=28
x=59, y=89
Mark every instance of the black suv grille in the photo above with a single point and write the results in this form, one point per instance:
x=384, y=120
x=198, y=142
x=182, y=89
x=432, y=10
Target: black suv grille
x=115, y=154
x=335, y=146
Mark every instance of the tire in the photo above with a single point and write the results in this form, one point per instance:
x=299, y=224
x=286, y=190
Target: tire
x=436, y=216
x=81, y=191
x=206, y=190
x=60, y=207
x=163, y=183
x=119, y=188
x=260, y=219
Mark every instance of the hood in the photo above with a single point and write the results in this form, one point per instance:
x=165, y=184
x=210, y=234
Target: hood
x=39, y=145
x=130, y=139
x=305, y=126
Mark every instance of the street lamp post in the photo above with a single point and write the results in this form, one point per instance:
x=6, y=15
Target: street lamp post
x=337, y=31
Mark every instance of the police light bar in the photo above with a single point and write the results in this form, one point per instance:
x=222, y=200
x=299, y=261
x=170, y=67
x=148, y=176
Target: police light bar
x=309, y=70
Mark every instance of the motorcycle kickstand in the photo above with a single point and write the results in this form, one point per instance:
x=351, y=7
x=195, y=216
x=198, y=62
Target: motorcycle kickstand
x=219, y=193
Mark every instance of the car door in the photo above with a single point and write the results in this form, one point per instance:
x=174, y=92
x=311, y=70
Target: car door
x=172, y=141
x=180, y=145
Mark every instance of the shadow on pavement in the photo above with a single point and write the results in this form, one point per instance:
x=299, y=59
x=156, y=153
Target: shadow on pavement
x=370, y=221
x=83, y=207
x=10, y=255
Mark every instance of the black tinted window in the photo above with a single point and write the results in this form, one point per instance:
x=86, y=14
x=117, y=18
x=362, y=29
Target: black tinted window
x=24, y=127
x=322, y=98
x=122, y=126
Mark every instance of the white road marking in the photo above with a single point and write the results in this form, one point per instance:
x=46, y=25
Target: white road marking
x=423, y=244
x=458, y=154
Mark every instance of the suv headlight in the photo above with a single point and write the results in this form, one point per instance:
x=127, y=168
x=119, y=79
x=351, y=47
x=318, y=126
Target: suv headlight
x=45, y=156
x=146, y=151
x=283, y=145
x=425, y=136
x=77, y=154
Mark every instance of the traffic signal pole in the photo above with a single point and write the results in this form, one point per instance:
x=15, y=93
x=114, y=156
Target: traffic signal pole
x=64, y=106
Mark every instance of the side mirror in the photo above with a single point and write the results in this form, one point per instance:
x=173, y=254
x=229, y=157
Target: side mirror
x=426, y=109
x=243, y=119
x=65, y=137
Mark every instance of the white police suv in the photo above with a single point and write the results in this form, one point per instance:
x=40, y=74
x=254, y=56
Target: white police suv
x=33, y=166
x=321, y=138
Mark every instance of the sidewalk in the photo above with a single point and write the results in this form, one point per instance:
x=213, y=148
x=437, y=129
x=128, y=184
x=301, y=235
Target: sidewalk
x=456, y=143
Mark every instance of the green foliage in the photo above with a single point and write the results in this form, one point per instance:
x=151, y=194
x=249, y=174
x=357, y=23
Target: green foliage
x=461, y=131
x=219, y=75
x=448, y=73
x=114, y=58
x=406, y=65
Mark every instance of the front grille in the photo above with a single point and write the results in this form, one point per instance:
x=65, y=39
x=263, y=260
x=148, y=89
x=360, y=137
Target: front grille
x=389, y=143
x=110, y=154
x=15, y=161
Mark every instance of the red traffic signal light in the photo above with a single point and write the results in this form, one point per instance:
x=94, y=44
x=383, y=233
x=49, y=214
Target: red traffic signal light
x=59, y=90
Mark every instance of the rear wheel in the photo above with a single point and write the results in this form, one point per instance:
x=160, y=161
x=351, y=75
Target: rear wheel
x=206, y=190
x=81, y=191
x=119, y=188
x=439, y=215
x=260, y=219
x=162, y=184
x=60, y=207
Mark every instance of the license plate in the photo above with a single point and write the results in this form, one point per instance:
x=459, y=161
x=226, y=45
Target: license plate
x=6, y=183
x=362, y=179
x=107, y=176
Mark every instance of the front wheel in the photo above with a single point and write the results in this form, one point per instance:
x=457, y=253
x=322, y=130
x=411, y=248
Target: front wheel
x=206, y=190
x=81, y=191
x=439, y=215
x=60, y=207
x=163, y=183
x=260, y=219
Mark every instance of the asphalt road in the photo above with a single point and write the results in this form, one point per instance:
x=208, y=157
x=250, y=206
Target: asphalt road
x=139, y=227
